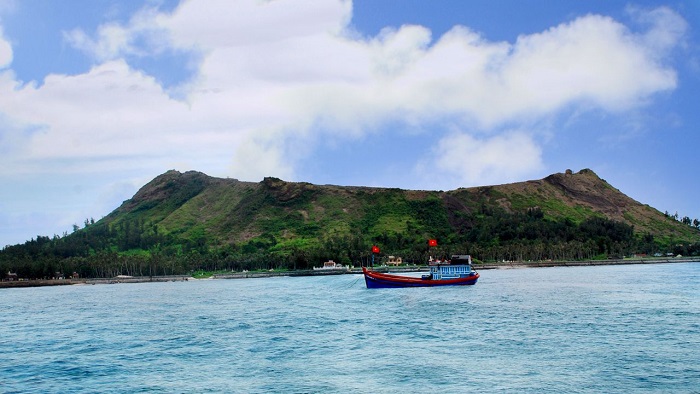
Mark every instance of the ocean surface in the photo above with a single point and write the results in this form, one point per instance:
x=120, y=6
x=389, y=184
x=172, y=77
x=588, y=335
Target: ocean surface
x=603, y=329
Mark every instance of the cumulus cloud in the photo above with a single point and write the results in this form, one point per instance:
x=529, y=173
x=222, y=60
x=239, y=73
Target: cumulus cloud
x=112, y=41
x=225, y=24
x=140, y=37
x=665, y=29
x=592, y=59
x=465, y=159
x=107, y=111
x=5, y=52
x=275, y=76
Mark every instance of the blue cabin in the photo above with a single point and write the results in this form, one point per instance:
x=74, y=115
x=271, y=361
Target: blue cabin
x=459, y=266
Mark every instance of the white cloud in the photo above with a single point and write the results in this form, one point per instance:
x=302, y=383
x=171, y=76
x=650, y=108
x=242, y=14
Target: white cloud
x=111, y=110
x=666, y=29
x=112, y=41
x=394, y=51
x=461, y=159
x=260, y=155
x=593, y=60
x=5, y=52
x=275, y=76
x=272, y=78
x=140, y=37
x=225, y=24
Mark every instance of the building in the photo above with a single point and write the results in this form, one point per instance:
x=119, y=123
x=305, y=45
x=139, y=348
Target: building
x=330, y=264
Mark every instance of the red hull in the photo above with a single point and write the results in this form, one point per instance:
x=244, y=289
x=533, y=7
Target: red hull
x=379, y=280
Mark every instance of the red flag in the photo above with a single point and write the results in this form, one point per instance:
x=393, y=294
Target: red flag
x=375, y=249
x=432, y=242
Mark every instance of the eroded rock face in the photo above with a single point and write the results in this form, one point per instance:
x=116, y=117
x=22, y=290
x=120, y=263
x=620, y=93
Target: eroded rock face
x=286, y=191
x=586, y=188
x=182, y=186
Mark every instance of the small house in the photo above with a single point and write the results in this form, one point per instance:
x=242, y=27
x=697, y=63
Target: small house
x=330, y=264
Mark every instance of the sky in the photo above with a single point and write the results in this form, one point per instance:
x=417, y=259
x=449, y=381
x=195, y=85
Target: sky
x=98, y=97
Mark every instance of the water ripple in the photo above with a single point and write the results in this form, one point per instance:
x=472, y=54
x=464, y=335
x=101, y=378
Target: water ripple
x=530, y=330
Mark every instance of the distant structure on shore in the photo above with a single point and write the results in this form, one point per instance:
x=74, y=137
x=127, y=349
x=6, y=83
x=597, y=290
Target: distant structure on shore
x=332, y=265
x=395, y=261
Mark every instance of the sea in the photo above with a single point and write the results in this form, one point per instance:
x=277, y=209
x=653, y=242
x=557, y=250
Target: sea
x=599, y=329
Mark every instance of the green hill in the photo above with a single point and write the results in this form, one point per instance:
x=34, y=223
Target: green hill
x=180, y=222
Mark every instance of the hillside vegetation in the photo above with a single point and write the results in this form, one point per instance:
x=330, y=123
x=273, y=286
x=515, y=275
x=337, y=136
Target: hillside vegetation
x=182, y=222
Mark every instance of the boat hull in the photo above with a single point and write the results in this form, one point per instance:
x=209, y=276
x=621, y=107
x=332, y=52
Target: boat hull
x=377, y=280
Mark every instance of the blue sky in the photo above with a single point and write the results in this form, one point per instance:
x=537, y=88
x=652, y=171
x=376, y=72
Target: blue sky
x=99, y=97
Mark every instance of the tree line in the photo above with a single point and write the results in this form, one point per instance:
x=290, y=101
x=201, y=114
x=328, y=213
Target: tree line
x=695, y=223
x=139, y=248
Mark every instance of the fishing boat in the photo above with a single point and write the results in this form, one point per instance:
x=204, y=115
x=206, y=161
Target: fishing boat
x=457, y=271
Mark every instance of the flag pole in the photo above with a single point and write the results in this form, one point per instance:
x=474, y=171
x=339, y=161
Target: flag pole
x=375, y=250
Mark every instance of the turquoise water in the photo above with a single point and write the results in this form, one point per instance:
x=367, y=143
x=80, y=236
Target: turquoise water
x=612, y=329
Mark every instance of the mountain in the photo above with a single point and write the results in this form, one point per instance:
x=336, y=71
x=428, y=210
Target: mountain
x=580, y=196
x=180, y=222
x=226, y=211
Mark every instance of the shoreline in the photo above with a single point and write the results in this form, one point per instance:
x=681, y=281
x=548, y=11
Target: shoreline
x=93, y=281
x=584, y=263
x=351, y=271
